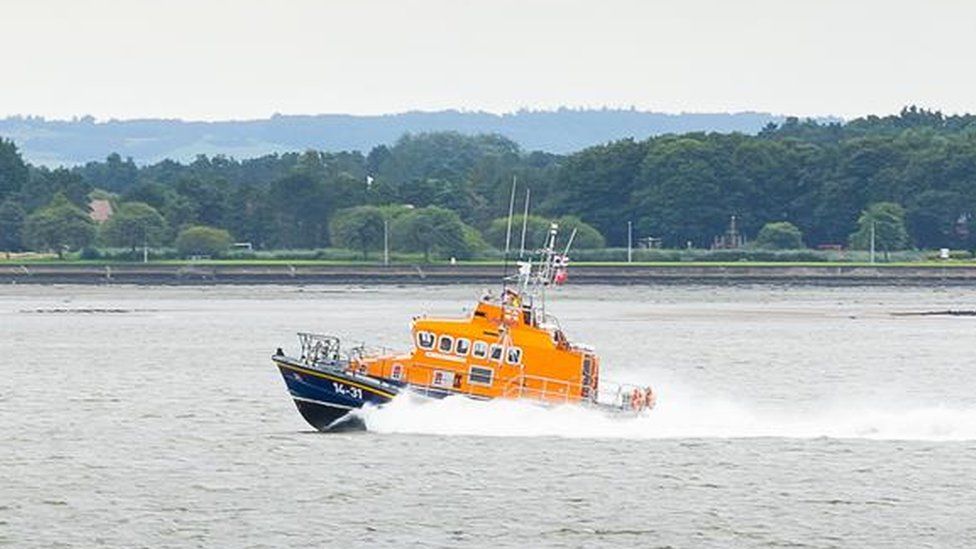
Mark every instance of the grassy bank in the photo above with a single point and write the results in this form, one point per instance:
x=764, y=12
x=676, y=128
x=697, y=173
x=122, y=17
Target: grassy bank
x=289, y=272
x=952, y=263
x=605, y=257
x=686, y=264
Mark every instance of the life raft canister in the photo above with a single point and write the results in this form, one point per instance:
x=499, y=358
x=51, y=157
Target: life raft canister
x=637, y=400
x=650, y=399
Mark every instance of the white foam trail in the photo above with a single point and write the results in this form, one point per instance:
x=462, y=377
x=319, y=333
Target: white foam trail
x=684, y=419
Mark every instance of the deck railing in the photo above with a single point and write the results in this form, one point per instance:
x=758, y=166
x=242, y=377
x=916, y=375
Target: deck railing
x=535, y=388
x=318, y=349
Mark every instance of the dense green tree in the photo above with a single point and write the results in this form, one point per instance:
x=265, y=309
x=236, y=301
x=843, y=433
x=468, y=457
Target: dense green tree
x=887, y=221
x=59, y=226
x=249, y=216
x=779, y=235
x=13, y=171
x=536, y=229
x=443, y=155
x=134, y=224
x=12, y=216
x=202, y=240
x=681, y=191
x=155, y=194
x=430, y=230
x=43, y=184
x=586, y=237
x=359, y=228
x=345, y=191
x=934, y=217
x=474, y=242
x=819, y=177
x=114, y=174
x=208, y=197
x=597, y=185
x=301, y=209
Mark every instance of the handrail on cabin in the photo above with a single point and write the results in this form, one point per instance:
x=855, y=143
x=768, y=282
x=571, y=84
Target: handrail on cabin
x=326, y=348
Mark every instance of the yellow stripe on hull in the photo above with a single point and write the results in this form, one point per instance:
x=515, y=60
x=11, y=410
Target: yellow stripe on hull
x=322, y=375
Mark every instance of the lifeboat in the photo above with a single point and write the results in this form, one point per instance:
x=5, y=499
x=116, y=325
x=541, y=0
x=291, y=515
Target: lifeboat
x=508, y=347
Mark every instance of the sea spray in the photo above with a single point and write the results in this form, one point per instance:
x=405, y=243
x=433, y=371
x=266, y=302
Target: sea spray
x=698, y=418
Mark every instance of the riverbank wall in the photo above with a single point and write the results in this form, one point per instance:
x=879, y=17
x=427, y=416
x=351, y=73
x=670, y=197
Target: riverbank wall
x=171, y=274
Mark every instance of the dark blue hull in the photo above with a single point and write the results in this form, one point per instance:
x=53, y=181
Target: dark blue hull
x=326, y=396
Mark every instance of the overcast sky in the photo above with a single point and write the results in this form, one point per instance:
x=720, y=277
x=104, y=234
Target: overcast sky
x=234, y=59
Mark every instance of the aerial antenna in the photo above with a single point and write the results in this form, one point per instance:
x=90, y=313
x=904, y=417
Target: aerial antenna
x=511, y=208
x=570, y=243
x=508, y=240
x=525, y=222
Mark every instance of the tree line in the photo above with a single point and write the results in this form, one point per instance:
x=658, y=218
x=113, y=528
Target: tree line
x=910, y=178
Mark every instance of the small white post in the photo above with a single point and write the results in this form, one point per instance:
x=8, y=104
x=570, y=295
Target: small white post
x=872, y=241
x=145, y=249
x=630, y=242
x=386, y=242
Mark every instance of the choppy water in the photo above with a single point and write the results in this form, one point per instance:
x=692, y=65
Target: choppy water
x=805, y=417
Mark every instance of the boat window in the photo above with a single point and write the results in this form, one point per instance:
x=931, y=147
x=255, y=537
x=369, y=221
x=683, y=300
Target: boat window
x=514, y=355
x=445, y=344
x=442, y=378
x=397, y=372
x=480, y=376
x=480, y=349
x=425, y=340
x=461, y=346
x=496, y=352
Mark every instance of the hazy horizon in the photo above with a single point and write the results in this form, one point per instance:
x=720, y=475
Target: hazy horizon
x=97, y=120
x=71, y=142
x=247, y=60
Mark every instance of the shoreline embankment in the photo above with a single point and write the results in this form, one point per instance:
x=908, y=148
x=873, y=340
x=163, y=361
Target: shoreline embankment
x=622, y=274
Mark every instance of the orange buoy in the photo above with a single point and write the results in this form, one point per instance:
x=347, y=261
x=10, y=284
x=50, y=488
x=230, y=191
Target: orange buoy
x=650, y=399
x=636, y=400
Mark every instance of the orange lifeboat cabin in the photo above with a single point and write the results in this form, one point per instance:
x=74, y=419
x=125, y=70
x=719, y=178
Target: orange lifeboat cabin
x=501, y=351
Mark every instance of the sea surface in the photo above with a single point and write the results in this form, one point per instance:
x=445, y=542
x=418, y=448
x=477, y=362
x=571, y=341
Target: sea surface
x=788, y=417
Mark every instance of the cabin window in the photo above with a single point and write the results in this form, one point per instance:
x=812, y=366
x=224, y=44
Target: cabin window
x=462, y=346
x=514, y=355
x=397, y=372
x=442, y=379
x=445, y=344
x=425, y=340
x=480, y=376
x=496, y=353
x=480, y=349
x=587, y=374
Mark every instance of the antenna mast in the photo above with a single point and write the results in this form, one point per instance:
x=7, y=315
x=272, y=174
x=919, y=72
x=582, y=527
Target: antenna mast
x=511, y=208
x=525, y=222
x=508, y=240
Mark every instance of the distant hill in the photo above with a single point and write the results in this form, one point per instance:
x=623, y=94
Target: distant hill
x=60, y=142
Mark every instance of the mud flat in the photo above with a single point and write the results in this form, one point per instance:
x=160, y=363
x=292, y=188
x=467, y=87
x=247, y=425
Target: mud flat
x=284, y=273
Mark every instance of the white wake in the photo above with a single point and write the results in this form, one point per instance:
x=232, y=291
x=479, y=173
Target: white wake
x=692, y=418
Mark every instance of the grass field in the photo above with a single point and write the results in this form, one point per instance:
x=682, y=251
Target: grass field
x=485, y=263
